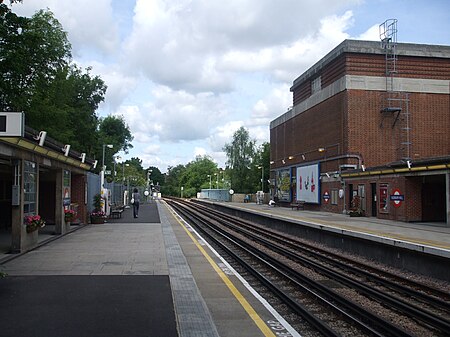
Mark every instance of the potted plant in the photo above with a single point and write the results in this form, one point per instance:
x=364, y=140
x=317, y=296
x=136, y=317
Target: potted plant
x=34, y=222
x=356, y=210
x=69, y=215
x=97, y=215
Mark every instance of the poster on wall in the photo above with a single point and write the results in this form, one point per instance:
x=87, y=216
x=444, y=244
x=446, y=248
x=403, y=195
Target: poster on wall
x=308, y=183
x=283, y=185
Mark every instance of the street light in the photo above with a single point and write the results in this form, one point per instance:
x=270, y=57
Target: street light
x=149, y=172
x=209, y=181
x=262, y=177
x=123, y=171
x=115, y=163
x=102, y=177
x=223, y=178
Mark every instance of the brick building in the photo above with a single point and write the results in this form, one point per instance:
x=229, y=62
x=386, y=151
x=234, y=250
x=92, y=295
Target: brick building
x=369, y=131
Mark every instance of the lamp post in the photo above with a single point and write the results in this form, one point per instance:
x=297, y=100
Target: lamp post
x=217, y=180
x=223, y=179
x=102, y=176
x=262, y=177
x=149, y=172
x=115, y=163
x=123, y=171
x=209, y=181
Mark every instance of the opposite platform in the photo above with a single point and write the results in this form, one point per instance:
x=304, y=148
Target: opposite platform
x=432, y=238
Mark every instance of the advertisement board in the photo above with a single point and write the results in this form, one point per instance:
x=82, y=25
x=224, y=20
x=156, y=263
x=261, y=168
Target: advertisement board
x=308, y=185
x=283, y=185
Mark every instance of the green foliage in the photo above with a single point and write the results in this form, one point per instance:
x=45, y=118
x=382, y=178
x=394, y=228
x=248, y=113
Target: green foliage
x=56, y=96
x=172, y=184
x=196, y=173
x=114, y=130
x=70, y=102
x=97, y=202
x=240, y=155
x=32, y=52
x=156, y=177
x=261, y=167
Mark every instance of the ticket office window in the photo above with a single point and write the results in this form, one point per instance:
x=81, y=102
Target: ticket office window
x=384, y=198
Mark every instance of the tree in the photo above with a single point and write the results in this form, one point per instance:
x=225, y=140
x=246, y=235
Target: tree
x=261, y=168
x=70, y=101
x=32, y=52
x=114, y=130
x=156, y=177
x=196, y=175
x=240, y=154
x=38, y=78
x=173, y=180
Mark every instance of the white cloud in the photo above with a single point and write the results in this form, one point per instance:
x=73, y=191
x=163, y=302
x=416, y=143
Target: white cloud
x=200, y=45
x=90, y=24
x=186, y=74
x=372, y=34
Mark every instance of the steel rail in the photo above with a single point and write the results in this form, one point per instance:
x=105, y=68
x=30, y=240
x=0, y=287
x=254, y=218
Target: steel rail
x=409, y=309
x=309, y=249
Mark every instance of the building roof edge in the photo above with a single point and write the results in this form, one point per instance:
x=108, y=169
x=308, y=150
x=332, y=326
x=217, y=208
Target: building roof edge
x=372, y=47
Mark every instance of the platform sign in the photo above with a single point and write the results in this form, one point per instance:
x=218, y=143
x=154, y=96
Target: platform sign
x=397, y=198
x=326, y=197
x=12, y=124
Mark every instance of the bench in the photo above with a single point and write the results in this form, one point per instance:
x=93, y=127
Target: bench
x=116, y=212
x=298, y=205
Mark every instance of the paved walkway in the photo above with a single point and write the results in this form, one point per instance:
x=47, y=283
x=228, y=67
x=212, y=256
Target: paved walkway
x=118, y=248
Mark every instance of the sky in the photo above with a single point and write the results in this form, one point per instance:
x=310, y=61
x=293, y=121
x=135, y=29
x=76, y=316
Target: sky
x=186, y=74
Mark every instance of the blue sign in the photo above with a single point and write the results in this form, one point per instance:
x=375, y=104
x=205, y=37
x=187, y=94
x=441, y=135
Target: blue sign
x=397, y=197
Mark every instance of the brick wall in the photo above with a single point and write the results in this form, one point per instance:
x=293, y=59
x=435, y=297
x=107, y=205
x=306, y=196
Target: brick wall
x=321, y=126
x=429, y=122
x=410, y=187
x=78, y=196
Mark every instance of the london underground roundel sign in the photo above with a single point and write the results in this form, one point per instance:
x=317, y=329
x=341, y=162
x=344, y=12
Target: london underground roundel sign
x=326, y=197
x=397, y=197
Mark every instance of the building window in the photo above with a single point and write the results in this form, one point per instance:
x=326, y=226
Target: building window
x=334, y=197
x=30, y=190
x=316, y=85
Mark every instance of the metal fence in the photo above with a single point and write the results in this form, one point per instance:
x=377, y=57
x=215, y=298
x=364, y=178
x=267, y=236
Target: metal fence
x=219, y=195
x=93, y=188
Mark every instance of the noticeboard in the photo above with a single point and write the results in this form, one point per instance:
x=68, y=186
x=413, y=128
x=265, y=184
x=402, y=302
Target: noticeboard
x=12, y=124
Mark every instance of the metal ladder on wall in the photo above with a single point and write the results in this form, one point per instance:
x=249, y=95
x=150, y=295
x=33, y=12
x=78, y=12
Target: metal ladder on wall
x=395, y=104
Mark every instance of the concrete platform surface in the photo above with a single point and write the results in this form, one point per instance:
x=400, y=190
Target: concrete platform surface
x=84, y=277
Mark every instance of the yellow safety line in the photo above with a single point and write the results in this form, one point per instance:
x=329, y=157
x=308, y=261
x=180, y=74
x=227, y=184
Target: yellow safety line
x=247, y=307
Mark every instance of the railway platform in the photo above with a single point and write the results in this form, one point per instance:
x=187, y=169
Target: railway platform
x=150, y=276
x=425, y=237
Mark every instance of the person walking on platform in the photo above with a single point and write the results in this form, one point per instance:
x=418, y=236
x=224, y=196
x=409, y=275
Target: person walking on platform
x=137, y=199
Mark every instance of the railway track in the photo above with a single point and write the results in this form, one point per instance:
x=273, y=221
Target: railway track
x=327, y=290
